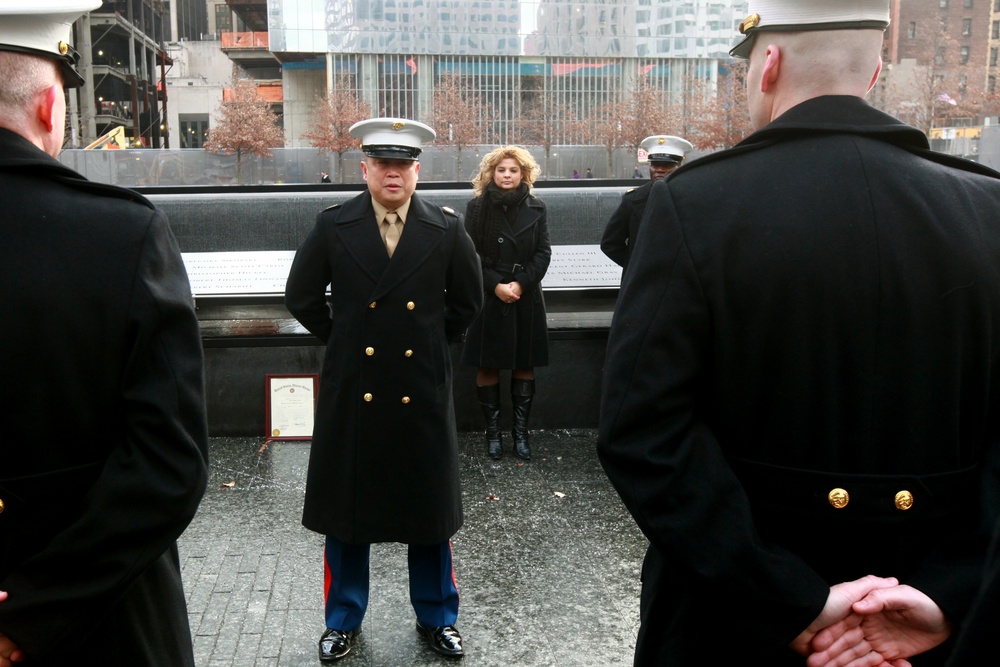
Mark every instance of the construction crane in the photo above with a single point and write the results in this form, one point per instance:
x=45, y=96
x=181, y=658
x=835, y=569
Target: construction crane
x=113, y=140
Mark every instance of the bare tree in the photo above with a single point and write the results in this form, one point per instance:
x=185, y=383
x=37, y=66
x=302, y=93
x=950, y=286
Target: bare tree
x=456, y=115
x=334, y=117
x=245, y=126
x=716, y=114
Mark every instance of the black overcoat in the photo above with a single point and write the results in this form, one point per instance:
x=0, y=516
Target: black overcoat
x=104, y=439
x=817, y=308
x=384, y=460
x=514, y=335
x=620, y=232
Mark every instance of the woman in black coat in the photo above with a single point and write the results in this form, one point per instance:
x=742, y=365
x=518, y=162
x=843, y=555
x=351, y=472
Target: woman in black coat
x=507, y=224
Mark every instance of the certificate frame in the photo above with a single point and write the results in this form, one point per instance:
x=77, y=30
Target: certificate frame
x=290, y=416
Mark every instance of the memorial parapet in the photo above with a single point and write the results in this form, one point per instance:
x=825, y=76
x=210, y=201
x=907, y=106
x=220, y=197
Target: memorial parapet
x=238, y=245
x=239, y=293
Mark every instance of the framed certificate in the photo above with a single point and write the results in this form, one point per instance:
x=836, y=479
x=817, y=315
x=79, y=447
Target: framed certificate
x=291, y=406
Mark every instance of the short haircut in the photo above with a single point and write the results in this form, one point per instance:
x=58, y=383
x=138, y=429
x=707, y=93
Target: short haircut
x=24, y=78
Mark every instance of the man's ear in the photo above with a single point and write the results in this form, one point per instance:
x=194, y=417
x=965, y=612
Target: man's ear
x=878, y=70
x=46, y=107
x=772, y=68
x=364, y=170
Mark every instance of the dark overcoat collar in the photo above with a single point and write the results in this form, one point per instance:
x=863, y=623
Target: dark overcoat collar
x=838, y=114
x=356, y=225
x=17, y=154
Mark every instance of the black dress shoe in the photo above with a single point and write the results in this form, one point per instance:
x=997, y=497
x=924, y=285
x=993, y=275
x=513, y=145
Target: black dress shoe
x=335, y=644
x=444, y=639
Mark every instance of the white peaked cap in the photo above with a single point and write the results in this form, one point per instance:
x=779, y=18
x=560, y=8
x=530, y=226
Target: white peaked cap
x=44, y=29
x=665, y=148
x=392, y=138
x=795, y=15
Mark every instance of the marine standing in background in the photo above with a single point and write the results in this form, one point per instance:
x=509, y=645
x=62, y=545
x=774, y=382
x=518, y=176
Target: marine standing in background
x=103, y=452
x=403, y=281
x=509, y=226
x=666, y=153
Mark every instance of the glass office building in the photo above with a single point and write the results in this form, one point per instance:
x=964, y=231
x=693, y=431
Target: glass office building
x=520, y=59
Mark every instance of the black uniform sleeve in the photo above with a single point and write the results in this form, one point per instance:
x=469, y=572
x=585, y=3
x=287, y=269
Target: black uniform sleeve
x=465, y=284
x=662, y=458
x=615, y=241
x=305, y=289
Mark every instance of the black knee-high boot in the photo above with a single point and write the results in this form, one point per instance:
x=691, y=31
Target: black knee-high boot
x=521, y=393
x=489, y=400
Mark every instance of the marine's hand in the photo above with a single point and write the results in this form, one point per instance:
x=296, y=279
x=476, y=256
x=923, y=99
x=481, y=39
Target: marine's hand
x=9, y=652
x=888, y=626
x=838, y=608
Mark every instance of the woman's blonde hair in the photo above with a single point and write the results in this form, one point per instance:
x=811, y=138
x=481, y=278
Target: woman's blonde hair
x=529, y=168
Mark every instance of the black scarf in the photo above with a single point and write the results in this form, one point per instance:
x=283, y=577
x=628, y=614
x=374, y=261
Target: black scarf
x=491, y=210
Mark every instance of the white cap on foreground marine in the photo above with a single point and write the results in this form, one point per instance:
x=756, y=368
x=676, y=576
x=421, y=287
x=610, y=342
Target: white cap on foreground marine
x=44, y=29
x=801, y=15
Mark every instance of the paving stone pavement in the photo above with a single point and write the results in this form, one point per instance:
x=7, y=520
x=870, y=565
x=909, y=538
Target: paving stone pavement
x=547, y=564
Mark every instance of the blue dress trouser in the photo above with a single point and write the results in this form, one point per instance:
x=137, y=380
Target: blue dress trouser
x=433, y=592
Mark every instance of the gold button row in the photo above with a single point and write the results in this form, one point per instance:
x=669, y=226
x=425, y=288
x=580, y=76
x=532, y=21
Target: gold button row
x=369, y=398
x=409, y=305
x=840, y=498
x=370, y=351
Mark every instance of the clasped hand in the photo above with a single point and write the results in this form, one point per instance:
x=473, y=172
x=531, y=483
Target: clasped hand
x=508, y=292
x=872, y=622
x=9, y=653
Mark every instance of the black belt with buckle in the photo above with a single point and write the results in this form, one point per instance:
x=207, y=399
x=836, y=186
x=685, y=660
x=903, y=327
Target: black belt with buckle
x=508, y=268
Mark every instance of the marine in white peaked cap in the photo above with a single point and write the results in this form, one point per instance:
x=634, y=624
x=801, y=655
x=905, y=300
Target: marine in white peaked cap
x=45, y=29
x=666, y=148
x=392, y=138
x=801, y=15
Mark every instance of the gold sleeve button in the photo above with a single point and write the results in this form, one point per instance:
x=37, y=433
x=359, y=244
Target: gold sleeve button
x=408, y=354
x=369, y=351
x=1, y=506
x=839, y=498
x=406, y=400
x=371, y=305
x=904, y=500
x=368, y=398
x=410, y=305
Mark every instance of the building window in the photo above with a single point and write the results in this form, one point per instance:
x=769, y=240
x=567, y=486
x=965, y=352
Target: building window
x=991, y=85
x=194, y=130
x=911, y=31
x=224, y=18
x=965, y=55
x=944, y=4
x=966, y=27
x=994, y=53
x=968, y=4
x=996, y=30
x=939, y=56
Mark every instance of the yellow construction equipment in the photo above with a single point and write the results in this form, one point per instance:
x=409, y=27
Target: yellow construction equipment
x=113, y=140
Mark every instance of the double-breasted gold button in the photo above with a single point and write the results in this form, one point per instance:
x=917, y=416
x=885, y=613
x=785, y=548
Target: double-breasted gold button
x=406, y=400
x=904, y=500
x=371, y=305
x=368, y=398
x=369, y=351
x=408, y=354
x=410, y=305
x=838, y=498
x=1, y=506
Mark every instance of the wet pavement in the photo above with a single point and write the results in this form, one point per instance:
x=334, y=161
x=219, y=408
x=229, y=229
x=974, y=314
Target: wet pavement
x=547, y=564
